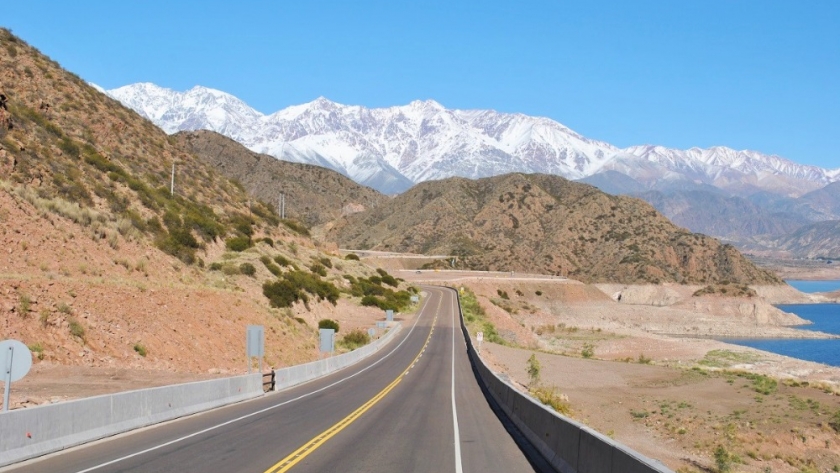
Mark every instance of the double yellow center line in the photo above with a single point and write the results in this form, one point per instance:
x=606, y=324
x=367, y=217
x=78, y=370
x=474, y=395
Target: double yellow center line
x=287, y=463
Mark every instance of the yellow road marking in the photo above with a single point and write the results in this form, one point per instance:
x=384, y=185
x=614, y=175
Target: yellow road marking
x=287, y=463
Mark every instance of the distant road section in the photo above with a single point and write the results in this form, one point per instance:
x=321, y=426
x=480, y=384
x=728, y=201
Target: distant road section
x=414, y=406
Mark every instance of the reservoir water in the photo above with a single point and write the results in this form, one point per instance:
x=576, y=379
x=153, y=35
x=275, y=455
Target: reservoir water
x=815, y=286
x=825, y=318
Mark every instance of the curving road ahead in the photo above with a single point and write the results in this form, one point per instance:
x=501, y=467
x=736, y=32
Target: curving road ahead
x=414, y=406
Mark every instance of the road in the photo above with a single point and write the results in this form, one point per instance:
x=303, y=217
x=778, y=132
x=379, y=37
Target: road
x=414, y=406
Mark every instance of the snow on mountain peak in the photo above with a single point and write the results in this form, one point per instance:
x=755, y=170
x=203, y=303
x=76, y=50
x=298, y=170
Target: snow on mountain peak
x=389, y=148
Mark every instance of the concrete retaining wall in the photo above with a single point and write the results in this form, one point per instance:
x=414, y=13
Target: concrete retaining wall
x=569, y=446
x=294, y=375
x=36, y=431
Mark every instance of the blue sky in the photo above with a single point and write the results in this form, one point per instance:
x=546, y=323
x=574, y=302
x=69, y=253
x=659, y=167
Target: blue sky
x=748, y=74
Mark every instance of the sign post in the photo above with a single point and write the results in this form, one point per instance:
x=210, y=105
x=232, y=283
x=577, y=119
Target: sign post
x=15, y=361
x=256, y=344
x=480, y=337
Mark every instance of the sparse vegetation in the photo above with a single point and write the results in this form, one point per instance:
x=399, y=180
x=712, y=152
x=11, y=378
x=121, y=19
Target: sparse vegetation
x=37, y=349
x=476, y=318
x=374, y=295
x=140, y=349
x=25, y=305
x=726, y=289
x=355, y=339
x=534, y=370
x=76, y=329
x=352, y=256
x=296, y=227
x=293, y=286
x=550, y=396
x=247, y=269
x=238, y=244
x=723, y=459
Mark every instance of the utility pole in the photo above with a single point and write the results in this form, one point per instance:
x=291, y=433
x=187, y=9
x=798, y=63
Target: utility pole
x=281, y=206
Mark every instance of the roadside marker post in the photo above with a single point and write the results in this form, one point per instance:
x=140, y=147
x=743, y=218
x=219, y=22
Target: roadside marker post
x=479, y=336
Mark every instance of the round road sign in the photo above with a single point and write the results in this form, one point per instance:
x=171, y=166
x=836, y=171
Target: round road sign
x=14, y=357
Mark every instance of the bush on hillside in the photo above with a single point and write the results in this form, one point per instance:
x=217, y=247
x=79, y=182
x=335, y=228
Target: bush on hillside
x=293, y=286
x=238, y=244
x=328, y=323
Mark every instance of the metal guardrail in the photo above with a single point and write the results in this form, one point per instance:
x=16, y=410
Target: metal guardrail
x=269, y=385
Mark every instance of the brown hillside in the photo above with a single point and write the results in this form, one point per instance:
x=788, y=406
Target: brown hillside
x=101, y=266
x=540, y=223
x=314, y=195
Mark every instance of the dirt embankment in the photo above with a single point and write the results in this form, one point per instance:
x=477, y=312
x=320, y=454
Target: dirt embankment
x=677, y=398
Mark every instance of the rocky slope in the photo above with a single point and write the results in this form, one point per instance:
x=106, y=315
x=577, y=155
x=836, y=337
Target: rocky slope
x=546, y=224
x=102, y=266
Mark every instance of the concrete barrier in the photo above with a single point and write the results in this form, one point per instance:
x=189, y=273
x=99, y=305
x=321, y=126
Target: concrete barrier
x=570, y=447
x=36, y=431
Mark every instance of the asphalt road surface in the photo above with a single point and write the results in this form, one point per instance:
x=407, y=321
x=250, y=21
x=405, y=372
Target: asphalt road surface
x=414, y=406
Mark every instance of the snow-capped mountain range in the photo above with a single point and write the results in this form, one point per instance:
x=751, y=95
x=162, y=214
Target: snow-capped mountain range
x=392, y=148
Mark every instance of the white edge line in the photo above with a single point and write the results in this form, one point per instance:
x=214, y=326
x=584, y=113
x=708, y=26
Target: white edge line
x=458, y=464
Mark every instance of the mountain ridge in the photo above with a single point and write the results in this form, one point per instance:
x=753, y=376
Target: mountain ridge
x=545, y=224
x=393, y=148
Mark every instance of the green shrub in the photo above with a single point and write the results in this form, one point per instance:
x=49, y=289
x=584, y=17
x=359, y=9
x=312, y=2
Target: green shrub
x=534, y=370
x=296, y=227
x=215, y=266
x=283, y=293
x=723, y=460
x=140, y=349
x=588, y=350
x=389, y=280
x=25, y=305
x=550, y=396
x=326, y=262
x=834, y=423
x=318, y=269
x=38, y=349
x=179, y=243
x=293, y=286
x=268, y=241
x=272, y=268
x=238, y=244
x=69, y=147
x=76, y=329
x=247, y=269
x=352, y=256
x=282, y=260
x=328, y=323
x=355, y=339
